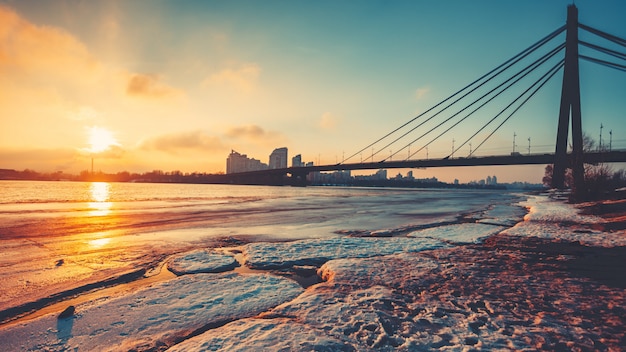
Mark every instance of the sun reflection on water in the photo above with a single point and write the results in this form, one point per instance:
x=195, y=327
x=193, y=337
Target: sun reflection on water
x=99, y=242
x=100, y=192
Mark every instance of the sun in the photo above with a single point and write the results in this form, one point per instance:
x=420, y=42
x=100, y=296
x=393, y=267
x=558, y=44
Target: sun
x=100, y=139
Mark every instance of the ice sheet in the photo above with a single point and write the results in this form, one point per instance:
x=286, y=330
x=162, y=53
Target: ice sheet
x=155, y=317
x=268, y=255
x=459, y=233
x=201, y=261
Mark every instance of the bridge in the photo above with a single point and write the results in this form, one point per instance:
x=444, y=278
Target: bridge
x=455, y=112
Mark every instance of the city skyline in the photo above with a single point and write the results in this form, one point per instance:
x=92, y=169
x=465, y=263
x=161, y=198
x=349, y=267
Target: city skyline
x=175, y=86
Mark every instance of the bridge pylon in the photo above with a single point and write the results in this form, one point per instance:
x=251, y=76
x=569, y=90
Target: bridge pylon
x=570, y=107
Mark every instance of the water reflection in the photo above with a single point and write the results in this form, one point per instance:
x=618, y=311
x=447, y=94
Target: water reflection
x=100, y=242
x=100, y=192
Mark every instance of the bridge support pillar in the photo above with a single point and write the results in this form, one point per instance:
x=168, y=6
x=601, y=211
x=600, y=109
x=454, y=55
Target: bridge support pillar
x=298, y=179
x=570, y=106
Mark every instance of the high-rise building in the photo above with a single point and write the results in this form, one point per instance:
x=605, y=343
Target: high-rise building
x=296, y=161
x=278, y=158
x=241, y=163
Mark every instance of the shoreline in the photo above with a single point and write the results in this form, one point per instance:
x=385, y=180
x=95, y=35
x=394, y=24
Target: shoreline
x=496, y=290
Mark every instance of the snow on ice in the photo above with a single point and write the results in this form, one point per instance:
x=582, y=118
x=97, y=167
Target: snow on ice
x=551, y=219
x=201, y=261
x=267, y=255
x=459, y=233
x=155, y=317
x=263, y=335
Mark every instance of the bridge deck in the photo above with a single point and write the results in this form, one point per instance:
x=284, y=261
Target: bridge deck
x=518, y=159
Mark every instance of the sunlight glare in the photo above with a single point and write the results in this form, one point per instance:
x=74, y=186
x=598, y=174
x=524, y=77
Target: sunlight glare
x=100, y=139
x=99, y=242
x=100, y=192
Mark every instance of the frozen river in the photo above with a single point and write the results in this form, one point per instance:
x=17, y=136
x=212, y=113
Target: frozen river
x=57, y=236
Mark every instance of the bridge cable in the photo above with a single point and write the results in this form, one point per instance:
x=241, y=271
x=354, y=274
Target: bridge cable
x=522, y=54
x=603, y=50
x=534, y=65
x=525, y=71
x=554, y=71
x=604, y=35
x=604, y=63
x=550, y=54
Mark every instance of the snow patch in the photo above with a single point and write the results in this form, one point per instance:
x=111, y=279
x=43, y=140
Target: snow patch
x=542, y=208
x=201, y=261
x=554, y=219
x=459, y=233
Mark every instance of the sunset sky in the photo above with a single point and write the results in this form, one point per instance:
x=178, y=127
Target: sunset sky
x=175, y=85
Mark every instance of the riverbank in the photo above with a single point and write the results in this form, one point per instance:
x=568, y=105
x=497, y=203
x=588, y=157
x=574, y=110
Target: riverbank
x=552, y=281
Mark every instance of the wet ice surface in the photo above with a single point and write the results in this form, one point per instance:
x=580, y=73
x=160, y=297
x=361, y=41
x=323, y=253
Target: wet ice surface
x=413, y=292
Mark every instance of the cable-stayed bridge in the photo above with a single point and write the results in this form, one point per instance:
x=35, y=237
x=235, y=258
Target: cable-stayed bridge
x=481, y=108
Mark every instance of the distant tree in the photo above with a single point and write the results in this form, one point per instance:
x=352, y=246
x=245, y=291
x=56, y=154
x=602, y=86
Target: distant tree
x=599, y=178
x=547, y=177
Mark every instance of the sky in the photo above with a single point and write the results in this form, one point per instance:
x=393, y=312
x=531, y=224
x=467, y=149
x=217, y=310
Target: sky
x=176, y=85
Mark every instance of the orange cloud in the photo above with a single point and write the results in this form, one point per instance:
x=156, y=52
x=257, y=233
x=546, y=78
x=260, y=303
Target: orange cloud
x=177, y=142
x=32, y=49
x=142, y=85
x=253, y=133
x=256, y=136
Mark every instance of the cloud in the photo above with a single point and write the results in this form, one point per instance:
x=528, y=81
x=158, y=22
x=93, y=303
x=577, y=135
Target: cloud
x=253, y=133
x=421, y=92
x=31, y=49
x=112, y=152
x=243, y=79
x=146, y=85
x=175, y=143
x=40, y=159
x=328, y=121
x=247, y=132
x=256, y=136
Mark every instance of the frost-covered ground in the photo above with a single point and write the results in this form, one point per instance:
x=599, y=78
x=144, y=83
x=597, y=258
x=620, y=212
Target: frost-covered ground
x=552, y=281
x=557, y=220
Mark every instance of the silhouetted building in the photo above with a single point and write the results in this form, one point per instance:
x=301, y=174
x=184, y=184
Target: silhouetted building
x=241, y=163
x=278, y=158
x=296, y=161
